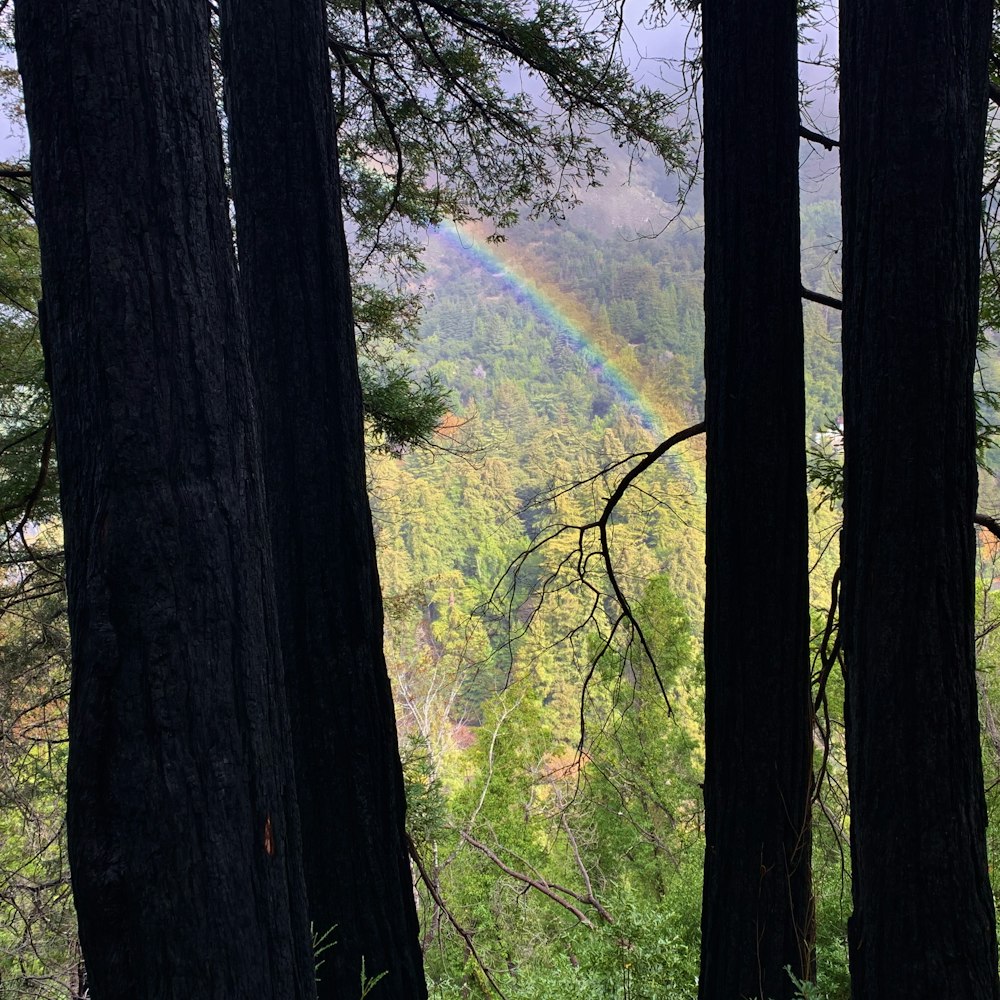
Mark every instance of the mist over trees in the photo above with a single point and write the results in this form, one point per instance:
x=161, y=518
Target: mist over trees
x=505, y=761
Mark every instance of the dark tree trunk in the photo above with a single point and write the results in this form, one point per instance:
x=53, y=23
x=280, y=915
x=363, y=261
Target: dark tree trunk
x=296, y=286
x=913, y=117
x=757, y=914
x=182, y=821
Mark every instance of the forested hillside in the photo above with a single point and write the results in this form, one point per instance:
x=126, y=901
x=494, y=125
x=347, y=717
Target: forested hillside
x=557, y=795
x=554, y=793
x=539, y=750
x=568, y=348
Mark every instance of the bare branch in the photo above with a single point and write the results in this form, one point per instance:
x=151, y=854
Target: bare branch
x=823, y=300
x=584, y=874
x=602, y=524
x=543, y=887
x=463, y=933
x=35, y=493
x=987, y=522
x=818, y=138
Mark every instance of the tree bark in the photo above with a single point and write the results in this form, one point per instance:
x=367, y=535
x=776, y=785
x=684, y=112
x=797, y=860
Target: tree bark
x=914, y=88
x=295, y=281
x=182, y=821
x=757, y=912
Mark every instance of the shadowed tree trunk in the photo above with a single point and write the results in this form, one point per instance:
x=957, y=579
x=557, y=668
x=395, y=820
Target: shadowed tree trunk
x=296, y=287
x=182, y=820
x=913, y=106
x=757, y=912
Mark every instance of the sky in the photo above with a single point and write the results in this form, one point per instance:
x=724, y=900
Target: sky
x=13, y=141
x=13, y=137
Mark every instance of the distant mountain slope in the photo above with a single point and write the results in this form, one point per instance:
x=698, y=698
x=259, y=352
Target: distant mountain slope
x=568, y=347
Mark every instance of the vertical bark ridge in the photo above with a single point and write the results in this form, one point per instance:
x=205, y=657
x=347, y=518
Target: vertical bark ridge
x=912, y=155
x=757, y=912
x=295, y=282
x=181, y=817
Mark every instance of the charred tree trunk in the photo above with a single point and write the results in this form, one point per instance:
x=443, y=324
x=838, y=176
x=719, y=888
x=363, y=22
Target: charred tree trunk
x=757, y=912
x=182, y=821
x=296, y=286
x=913, y=106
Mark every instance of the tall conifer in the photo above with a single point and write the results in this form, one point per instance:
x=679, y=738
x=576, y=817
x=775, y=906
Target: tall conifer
x=757, y=914
x=182, y=822
x=296, y=284
x=913, y=105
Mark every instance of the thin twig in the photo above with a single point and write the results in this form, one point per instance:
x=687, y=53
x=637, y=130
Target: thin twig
x=464, y=934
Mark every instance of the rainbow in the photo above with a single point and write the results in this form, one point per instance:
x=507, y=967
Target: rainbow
x=573, y=322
